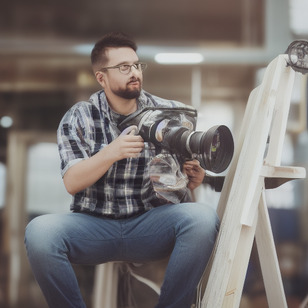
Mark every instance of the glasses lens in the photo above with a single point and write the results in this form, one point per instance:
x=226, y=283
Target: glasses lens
x=140, y=66
x=124, y=69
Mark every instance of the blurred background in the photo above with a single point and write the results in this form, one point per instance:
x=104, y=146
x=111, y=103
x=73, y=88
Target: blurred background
x=45, y=69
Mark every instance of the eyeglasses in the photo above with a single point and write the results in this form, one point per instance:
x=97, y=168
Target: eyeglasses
x=127, y=68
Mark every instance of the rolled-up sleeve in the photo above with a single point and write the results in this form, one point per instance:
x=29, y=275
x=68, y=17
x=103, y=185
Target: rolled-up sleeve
x=72, y=140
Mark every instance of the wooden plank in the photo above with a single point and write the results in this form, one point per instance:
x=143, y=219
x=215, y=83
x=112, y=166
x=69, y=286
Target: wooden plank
x=249, y=111
x=280, y=116
x=283, y=172
x=241, y=259
x=258, y=131
x=268, y=259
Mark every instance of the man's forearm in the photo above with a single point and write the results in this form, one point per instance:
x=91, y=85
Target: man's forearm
x=85, y=173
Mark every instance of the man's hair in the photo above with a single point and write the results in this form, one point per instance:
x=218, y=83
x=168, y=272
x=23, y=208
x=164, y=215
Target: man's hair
x=110, y=40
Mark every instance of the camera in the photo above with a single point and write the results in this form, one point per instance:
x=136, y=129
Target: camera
x=298, y=56
x=174, y=129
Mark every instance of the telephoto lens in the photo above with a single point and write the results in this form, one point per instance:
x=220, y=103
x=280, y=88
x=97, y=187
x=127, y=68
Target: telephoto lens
x=173, y=129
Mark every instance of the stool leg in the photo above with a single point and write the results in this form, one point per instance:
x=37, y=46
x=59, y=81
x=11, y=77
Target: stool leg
x=105, y=285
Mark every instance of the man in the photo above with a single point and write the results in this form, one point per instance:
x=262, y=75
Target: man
x=116, y=214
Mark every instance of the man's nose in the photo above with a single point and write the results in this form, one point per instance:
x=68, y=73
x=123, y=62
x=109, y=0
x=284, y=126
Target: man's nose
x=135, y=70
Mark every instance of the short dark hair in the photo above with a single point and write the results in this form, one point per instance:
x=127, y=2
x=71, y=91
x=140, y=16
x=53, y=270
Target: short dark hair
x=113, y=39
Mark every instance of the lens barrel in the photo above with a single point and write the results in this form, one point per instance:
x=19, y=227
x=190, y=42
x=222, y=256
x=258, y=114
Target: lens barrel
x=214, y=148
x=174, y=129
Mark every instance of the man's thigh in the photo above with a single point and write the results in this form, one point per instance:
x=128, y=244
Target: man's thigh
x=152, y=236
x=85, y=239
x=89, y=239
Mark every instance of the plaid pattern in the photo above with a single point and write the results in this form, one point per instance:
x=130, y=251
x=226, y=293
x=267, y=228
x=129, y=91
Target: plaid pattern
x=125, y=190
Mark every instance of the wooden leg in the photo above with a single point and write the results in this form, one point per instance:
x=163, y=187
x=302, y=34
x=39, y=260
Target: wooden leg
x=268, y=259
x=106, y=285
x=239, y=268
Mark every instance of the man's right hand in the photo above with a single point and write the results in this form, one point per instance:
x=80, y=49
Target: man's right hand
x=126, y=146
x=88, y=171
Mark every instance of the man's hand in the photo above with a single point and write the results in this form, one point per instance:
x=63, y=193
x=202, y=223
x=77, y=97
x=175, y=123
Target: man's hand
x=126, y=146
x=194, y=172
x=86, y=172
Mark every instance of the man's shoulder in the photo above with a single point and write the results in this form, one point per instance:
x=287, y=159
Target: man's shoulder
x=84, y=105
x=156, y=101
x=94, y=101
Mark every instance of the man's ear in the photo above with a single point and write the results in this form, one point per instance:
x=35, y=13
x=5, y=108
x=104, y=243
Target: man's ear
x=100, y=78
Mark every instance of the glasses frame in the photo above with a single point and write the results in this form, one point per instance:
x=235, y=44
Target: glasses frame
x=142, y=68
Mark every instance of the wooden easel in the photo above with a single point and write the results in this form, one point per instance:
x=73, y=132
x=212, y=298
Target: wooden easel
x=242, y=206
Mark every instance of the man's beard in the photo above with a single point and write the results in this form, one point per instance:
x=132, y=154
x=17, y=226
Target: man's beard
x=129, y=93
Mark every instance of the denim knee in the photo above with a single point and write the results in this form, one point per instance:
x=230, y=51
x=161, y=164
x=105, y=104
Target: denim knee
x=200, y=221
x=39, y=237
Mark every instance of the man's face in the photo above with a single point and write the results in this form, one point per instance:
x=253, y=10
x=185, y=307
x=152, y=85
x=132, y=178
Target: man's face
x=115, y=83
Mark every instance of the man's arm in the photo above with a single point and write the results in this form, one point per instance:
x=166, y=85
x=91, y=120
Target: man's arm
x=87, y=172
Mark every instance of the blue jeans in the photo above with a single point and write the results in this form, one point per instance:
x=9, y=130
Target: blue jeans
x=186, y=232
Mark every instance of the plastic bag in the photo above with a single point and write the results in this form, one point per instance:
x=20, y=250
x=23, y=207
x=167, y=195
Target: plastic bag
x=167, y=179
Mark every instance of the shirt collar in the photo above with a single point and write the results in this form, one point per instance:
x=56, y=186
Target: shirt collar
x=100, y=100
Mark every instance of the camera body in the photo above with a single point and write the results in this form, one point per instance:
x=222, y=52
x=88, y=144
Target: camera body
x=173, y=129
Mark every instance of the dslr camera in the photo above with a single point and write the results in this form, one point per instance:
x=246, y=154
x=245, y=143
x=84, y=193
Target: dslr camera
x=174, y=129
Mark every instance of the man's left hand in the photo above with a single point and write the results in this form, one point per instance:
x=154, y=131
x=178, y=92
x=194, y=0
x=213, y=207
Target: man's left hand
x=194, y=172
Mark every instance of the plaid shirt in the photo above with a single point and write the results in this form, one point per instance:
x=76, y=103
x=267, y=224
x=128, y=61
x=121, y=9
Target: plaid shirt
x=125, y=189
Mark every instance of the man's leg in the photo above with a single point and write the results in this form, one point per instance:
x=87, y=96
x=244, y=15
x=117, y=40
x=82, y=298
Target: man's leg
x=54, y=241
x=186, y=231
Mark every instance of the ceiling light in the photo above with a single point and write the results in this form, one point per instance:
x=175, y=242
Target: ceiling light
x=6, y=122
x=178, y=58
x=84, y=49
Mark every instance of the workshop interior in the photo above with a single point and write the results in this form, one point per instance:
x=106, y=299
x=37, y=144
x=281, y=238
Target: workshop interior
x=206, y=54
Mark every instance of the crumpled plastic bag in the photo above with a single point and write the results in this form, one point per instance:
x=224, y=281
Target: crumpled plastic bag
x=168, y=181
